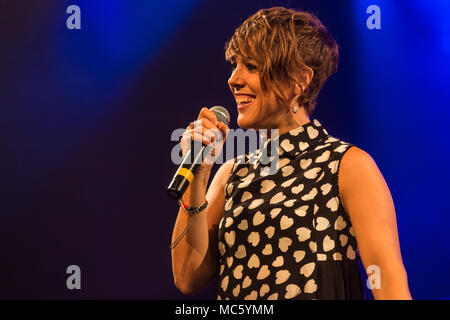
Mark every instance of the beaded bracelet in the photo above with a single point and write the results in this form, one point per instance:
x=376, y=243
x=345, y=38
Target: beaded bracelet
x=192, y=211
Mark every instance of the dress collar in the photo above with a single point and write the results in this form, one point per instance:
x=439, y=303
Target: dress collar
x=297, y=140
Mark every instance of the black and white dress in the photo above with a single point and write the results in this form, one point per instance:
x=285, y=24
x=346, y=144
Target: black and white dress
x=286, y=235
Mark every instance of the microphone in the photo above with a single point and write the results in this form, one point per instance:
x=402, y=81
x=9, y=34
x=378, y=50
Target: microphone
x=192, y=161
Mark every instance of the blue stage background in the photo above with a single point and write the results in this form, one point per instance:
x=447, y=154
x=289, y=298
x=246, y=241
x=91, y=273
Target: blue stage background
x=86, y=118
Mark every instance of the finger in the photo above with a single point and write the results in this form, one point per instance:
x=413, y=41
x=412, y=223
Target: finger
x=195, y=134
x=214, y=134
x=205, y=123
x=227, y=130
x=210, y=158
x=201, y=138
x=210, y=134
x=212, y=153
x=185, y=142
x=224, y=129
x=186, y=134
x=207, y=129
x=208, y=114
x=186, y=139
x=201, y=126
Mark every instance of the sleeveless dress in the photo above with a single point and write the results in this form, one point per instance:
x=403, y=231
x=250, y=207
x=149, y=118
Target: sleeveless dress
x=286, y=235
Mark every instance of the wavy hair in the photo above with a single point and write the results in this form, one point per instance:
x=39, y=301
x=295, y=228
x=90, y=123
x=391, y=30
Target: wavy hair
x=284, y=43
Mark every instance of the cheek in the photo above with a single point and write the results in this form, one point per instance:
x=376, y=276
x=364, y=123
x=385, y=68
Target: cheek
x=269, y=105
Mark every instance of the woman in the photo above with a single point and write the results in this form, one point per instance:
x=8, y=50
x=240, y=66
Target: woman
x=298, y=233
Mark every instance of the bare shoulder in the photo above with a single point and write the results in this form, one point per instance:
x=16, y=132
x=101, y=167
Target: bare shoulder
x=224, y=171
x=360, y=178
x=368, y=202
x=356, y=159
x=216, y=194
x=221, y=178
x=357, y=166
x=228, y=165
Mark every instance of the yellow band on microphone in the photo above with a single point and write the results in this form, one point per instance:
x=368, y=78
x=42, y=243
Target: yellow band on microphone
x=186, y=173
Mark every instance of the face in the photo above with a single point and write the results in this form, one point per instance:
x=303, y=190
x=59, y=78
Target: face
x=257, y=109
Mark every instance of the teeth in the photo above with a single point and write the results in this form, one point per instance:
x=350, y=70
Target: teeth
x=241, y=100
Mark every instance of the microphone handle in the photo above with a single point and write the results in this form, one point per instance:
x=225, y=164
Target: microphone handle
x=188, y=168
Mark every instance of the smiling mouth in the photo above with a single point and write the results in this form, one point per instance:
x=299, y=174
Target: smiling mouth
x=244, y=101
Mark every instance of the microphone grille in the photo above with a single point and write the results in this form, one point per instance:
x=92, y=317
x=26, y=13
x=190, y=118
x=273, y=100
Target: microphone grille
x=222, y=114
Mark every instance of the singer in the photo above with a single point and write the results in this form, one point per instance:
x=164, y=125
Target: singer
x=298, y=233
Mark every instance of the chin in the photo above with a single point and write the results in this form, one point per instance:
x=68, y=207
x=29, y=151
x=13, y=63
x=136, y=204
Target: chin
x=242, y=123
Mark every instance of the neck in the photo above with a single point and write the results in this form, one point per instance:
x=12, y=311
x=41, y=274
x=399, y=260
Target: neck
x=294, y=120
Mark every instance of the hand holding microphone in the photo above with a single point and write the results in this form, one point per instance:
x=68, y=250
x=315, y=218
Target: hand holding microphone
x=208, y=131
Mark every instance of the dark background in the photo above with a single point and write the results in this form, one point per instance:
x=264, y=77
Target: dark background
x=86, y=118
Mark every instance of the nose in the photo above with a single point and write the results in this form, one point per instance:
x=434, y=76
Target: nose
x=237, y=78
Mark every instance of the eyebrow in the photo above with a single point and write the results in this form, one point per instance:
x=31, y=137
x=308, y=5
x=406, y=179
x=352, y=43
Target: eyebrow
x=244, y=59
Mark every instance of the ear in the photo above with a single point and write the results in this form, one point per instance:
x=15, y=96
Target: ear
x=309, y=74
x=297, y=90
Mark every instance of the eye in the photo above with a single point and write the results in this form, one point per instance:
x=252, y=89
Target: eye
x=250, y=67
x=233, y=66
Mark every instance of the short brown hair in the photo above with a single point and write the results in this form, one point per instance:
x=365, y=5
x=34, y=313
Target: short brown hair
x=282, y=42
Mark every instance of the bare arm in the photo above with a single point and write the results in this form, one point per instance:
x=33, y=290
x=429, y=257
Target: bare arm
x=368, y=201
x=194, y=258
